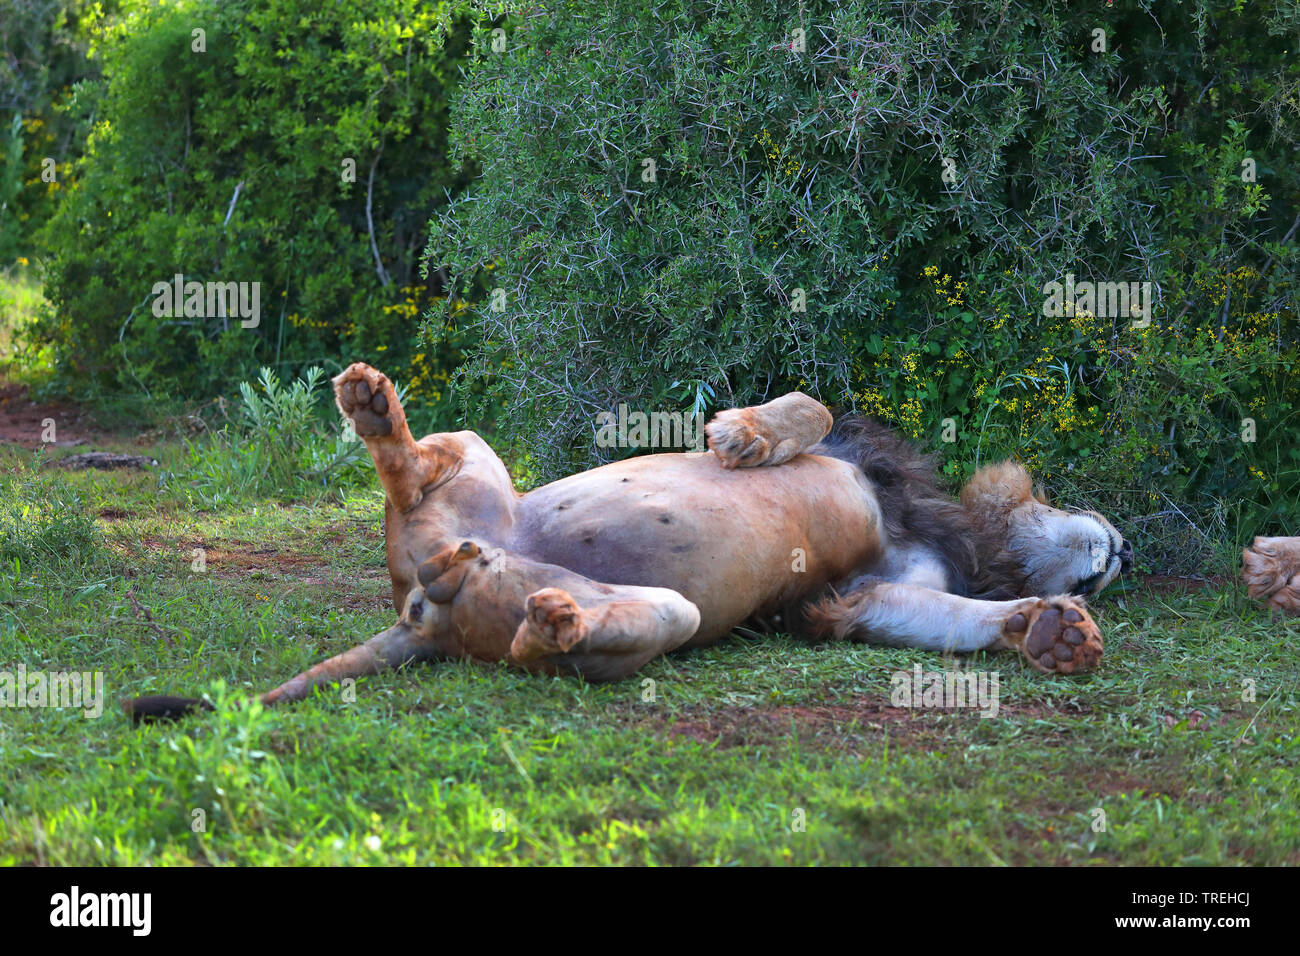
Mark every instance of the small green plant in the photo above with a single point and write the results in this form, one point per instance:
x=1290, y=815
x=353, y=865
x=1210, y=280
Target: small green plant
x=277, y=445
x=22, y=307
x=43, y=521
x=228, y=772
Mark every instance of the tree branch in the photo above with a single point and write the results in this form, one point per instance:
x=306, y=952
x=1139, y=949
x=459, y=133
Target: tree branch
x=370, y=222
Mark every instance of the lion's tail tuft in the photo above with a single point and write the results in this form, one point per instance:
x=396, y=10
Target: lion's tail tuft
x=153, y=709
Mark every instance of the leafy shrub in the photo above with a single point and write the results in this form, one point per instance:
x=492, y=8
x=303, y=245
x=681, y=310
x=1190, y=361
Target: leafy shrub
x=278, y=446
x=298, y=149
x=20, y=306
x=43, y=56
x=11, y=164
x=687, y=198
x=1181, y=428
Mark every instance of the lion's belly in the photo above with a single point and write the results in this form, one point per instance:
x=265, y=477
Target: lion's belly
x=734, y=542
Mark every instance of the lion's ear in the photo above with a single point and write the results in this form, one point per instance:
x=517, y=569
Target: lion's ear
x=1040, y=495
x=995, y=490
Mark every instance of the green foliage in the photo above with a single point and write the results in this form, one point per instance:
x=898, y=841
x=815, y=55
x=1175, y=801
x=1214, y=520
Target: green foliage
x=11, y=163
x=298, y=149
x=228, y=769
x=816, y=178
x=43, y=522
x=43, y=58
x=1156, y=425
x=21, y=304
x=278, y=446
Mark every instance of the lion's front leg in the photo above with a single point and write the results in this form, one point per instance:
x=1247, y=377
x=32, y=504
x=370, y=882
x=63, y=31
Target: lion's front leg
x=476, y=600
x=1056, y=635
x=409, y=640
x=768, y=434
x=610, y=637
x=1271, y=569
x=407, y=469
x=499, y=605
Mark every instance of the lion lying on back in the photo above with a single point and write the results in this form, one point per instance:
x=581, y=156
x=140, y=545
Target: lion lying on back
x=836, y=529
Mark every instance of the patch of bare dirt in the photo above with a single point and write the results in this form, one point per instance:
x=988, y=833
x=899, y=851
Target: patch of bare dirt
x=257, y=559
x=369, y=602
x=1168, y=781
x=24, y=422
x=833, y=725
x=1174, y=584
x=233, y=559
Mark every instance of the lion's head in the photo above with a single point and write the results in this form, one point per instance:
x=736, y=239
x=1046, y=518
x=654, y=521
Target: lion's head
x=1061, y=552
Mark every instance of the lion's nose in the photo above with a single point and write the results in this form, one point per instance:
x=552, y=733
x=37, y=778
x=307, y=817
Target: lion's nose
x=1126, y=557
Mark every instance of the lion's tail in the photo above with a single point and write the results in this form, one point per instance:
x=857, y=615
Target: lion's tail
x=150, y=710
x=398, y=645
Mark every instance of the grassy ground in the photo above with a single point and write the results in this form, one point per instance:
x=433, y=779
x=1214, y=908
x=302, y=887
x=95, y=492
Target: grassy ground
x=463, y=763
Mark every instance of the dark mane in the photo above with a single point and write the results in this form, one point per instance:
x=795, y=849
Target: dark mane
x=917, y=509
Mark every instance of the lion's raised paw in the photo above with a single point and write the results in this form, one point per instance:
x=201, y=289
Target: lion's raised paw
x=1287, y=600
x=1057, y=635
x=442, y=575
x=367, y=397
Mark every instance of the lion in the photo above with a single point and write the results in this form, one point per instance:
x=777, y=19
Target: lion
x=834, y=528
x=1270, y=568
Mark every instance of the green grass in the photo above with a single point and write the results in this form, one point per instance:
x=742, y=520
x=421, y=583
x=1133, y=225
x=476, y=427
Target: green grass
x=465, y=763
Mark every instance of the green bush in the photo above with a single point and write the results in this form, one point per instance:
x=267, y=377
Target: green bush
x=1181, y=428
x=43, y=58
x=685, y=198
x=254, y=141
x=11, y=181
x=277, y=447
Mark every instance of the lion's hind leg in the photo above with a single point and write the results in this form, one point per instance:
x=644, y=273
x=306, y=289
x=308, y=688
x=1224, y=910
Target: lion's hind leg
x=480, y=602
x=1056, y=635
x=407, y=469
x=768, y=434
x=1271, y=569
x=407, y=641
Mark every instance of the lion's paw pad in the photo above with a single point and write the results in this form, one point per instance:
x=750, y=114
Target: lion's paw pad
x=1059, y=636
x=1271, y=569
x=366, y=396
x=442, y=575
